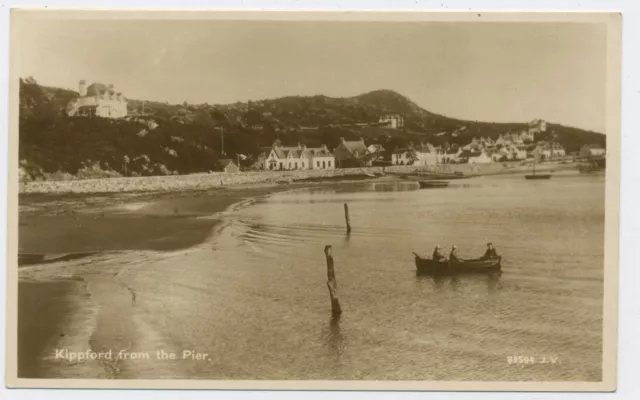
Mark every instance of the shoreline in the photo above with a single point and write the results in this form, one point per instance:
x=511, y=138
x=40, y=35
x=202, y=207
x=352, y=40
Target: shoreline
x=217, y=181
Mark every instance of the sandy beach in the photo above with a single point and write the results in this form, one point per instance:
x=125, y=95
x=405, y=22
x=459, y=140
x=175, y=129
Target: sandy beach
x=57, y=229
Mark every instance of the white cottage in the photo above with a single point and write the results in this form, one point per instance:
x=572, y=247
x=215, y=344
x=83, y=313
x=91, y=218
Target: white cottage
x=297, y=158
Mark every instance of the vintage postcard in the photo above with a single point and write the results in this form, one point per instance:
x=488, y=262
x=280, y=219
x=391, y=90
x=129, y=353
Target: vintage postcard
x=314, y=200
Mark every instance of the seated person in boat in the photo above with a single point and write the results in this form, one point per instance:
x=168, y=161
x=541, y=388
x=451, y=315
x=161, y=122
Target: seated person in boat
x=453, y=256
x=437, y=254
x=490, y=253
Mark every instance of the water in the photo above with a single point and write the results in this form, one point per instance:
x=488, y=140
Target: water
x=254, y=297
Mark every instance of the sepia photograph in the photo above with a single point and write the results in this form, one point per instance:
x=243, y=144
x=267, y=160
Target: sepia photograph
x=314, y=200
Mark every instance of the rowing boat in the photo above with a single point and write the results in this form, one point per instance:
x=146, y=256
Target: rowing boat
x=428, y=266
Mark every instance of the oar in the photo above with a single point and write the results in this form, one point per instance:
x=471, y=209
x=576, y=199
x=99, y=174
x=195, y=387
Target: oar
x=417, y=256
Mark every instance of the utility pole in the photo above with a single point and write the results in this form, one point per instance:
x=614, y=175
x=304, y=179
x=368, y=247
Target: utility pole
x=222, y=139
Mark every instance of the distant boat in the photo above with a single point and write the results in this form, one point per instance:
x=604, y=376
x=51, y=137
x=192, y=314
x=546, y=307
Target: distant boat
x=447, y=176
x=537, y=176
x=434, y=176
x=433, y=184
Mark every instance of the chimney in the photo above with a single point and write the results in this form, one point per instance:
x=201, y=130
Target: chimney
x=342, y=140
x=110, y=86
x=324, y=147
x=82, y=88
x=299, y=146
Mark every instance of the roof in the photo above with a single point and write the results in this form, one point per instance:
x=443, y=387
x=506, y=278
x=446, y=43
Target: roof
x=353, y=146
x=425, y=148
x=467, y=154
x=96, y=89
x=297, y=151
x=224, y=162
x=420, y=149
x=284, y=152
x=320, y=152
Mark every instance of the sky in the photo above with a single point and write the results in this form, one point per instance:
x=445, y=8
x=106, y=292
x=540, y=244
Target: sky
x=502, y=72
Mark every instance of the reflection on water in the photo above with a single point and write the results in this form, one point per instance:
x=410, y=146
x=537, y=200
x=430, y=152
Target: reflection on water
x=261, y=305
x=492, y=280
x=334, y=338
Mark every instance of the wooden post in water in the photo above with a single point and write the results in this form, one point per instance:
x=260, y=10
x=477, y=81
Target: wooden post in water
x=336, y=310
x=346, y=218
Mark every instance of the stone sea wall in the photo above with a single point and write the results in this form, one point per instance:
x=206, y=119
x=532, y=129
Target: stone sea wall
x=221, y=179
x=189, y=182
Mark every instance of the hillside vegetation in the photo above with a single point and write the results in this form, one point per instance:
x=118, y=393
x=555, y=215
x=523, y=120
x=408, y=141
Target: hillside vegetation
x=189, y=138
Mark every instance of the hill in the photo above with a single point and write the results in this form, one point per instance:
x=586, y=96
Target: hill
x=187, y=138
x=320, y=118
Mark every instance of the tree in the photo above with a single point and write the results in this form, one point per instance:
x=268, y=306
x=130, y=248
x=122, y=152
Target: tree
x=219, y=118
x=412, y=154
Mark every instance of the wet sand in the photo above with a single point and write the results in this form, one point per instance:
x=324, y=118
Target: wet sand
x=54, y=225
x=42, y=309
x=53, y=228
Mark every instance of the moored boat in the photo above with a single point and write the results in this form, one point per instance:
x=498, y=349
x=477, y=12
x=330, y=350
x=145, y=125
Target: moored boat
x=433, y=184
x=446, y=177
x=428, y=266
x=538, y=176
x=535, y=176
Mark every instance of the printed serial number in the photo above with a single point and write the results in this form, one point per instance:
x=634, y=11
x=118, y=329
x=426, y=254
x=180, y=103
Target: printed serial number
x=533, y=360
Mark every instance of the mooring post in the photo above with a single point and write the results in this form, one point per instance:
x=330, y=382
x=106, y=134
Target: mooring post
x=346, y=218
x=336, y=310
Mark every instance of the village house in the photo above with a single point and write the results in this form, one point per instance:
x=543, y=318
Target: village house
x=228, y=166
x=549, y=150
x=510, y=153
x=557, y=151
x=297, y=158
x=476, y=157
x=474, y=145
x=449, y=155
x=322, y=158
x=352, y=154
x=517, y=139
x=98, y=100
x=377, y=151
x=423, y=155
x=392, y=121
x=537, y=126
x=592, y=150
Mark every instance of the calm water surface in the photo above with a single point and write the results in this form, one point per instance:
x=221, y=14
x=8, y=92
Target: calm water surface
x=255, y=299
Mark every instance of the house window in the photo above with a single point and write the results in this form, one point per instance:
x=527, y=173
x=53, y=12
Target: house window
x=318, y=164
x=329, y=162
x=296, y=165
x=323, y=165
